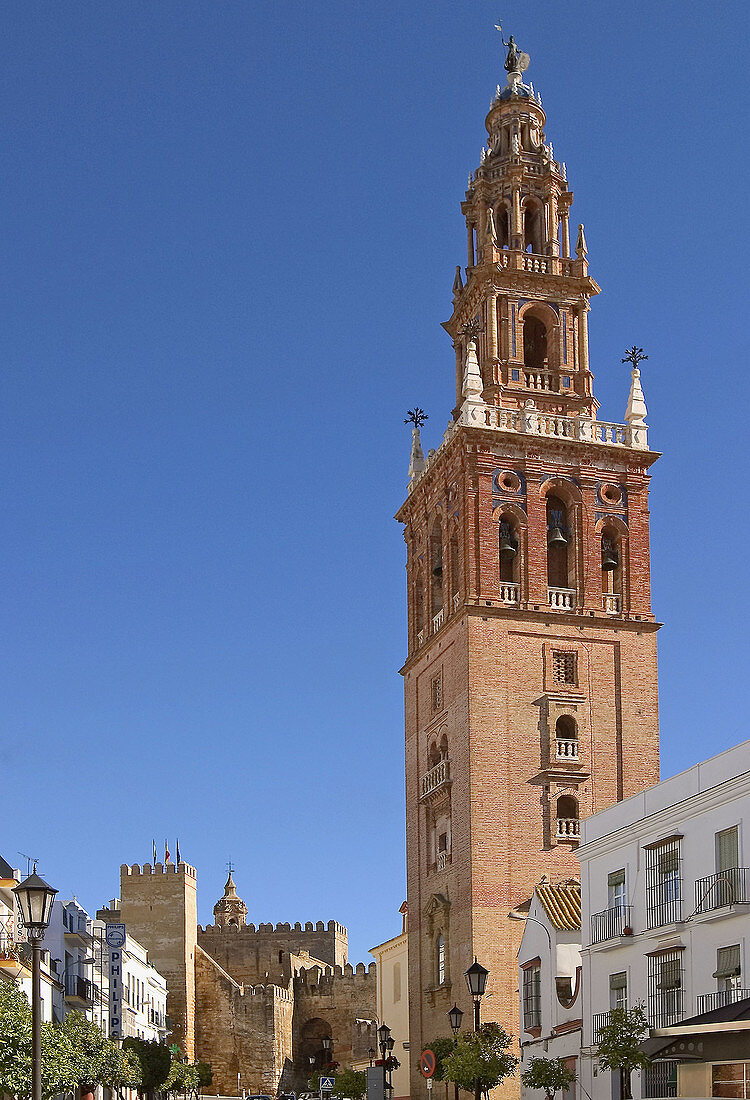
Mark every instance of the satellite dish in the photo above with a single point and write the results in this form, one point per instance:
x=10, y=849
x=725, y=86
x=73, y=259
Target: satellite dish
x=523, y=62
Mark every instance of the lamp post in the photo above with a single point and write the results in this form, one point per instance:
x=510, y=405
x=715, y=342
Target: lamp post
x=455, y=1017
x=35, y=899
x=384, y=1034
x=371, y=1055
x=327, y=1044
x=476, y=979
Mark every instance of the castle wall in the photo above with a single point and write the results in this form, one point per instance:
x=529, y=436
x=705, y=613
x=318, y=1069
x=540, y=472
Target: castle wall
x=159, y=907
x=260, y=954
x=245, y=1030
x=344, y=998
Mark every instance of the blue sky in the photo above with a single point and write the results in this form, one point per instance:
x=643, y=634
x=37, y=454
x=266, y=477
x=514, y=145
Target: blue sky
x=229, y=232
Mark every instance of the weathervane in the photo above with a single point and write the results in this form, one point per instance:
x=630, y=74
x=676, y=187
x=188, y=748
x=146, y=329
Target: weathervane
x=417, y=417
x=472, y=328
x=516, y=61
x=634, y=355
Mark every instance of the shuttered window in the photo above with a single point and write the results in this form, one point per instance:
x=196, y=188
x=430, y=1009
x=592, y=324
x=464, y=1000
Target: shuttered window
x=727, y=849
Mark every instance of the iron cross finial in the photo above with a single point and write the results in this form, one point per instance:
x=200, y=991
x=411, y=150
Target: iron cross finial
x=634, y=355
x=230, y=866
x=416, y=416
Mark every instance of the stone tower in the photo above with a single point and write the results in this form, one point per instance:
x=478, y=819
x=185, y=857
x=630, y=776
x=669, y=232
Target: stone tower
x=230, y=911
x=530, y=682
x=159, y=906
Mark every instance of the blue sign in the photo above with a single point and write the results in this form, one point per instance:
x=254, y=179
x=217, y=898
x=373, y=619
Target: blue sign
x=327, y=1083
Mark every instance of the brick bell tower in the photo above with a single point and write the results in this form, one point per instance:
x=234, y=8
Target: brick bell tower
x=530, y=683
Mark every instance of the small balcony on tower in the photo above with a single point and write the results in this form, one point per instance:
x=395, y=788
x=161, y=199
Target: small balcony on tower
x=436, y=780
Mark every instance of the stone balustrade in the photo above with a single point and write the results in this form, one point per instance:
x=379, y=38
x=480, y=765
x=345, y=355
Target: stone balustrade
x=442, y=861
x=509, y=592
x=562, y=599
x=611, y=603
x=566, y=748
x=435, y=778
x=568, y=828
x=539, y=380
x=437, y=621
x=456, y=601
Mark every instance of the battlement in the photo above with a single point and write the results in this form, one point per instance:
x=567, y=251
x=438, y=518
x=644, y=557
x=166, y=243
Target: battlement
x=268, y=991
x=272, y=929
x=315, y=976
x=183, y=869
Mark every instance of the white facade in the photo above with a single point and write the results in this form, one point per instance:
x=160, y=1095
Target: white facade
x=393, y=1001
x=69, y=942
x=549, y=979
x=666, y=922
x=144, y=989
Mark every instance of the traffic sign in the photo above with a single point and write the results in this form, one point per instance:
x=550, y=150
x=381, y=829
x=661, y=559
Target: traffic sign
x=327, y=1084
x=427, y=1062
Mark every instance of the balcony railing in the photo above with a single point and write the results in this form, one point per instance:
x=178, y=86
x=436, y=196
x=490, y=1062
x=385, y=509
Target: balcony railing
x=563, y=599
x=611, y=923
x=568, y=828
x=659, y=1080
x=707, y=1002
x=599, y=1020
x=435, y=778
x=566, y=748
x=611, y=603
x=437, y=621
x=78, y=988
x=509, y=592
x=420, y=637
x=443, y=860
x=730, y=887
x=539, y=379
x=456, y=601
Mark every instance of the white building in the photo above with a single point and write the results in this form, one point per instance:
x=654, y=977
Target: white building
x=144, y=988
x=665, y=879
x=549, y=977
x=69, y=942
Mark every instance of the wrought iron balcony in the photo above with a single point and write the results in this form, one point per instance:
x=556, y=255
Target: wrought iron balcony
x=78, y=989
x=707, y=1002
x=730, y=887
x=611, y=923
x=599, y=1020
x=435, y=779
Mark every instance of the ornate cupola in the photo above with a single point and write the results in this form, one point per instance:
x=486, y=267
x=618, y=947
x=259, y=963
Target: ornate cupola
x=526, y=299
x=230, y=911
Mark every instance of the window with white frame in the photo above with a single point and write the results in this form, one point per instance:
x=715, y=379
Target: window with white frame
x=616, y=890
x=618, y=991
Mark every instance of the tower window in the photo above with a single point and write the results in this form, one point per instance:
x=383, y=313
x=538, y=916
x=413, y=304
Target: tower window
x=440, y=960
x=534, y=343
x=564, y=666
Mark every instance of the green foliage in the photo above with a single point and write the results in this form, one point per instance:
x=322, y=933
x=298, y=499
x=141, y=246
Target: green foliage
x=441, y=1048
x=480, y=1060
x=205, y=1074
x=350, y=1083
x=550, y=1074
x=95, y=1059
x=155, y=1062
x=620, y=1041
x=183, y=1077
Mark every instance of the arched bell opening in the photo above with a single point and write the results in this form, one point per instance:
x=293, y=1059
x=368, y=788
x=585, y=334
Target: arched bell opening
x=611, y=562
x=502, y=225
x=566, y=738
x=509, y=550
x=533, y=227
x=455, y=565
x=535, y=343
x=436, y=567
x=559, y=544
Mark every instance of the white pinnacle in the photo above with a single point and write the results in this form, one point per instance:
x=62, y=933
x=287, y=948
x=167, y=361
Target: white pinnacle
x=416, y=462
x=635, y=414
x=472, y=385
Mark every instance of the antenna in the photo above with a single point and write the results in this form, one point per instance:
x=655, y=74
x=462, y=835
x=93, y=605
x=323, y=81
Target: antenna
x=29, y=861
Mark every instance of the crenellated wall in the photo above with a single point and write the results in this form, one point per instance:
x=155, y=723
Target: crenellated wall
x=260, y=954
x=344, y=999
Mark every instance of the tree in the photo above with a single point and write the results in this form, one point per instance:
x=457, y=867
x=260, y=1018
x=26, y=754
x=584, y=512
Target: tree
x=441, y=1048
x=550, y=1074
x=350, y=1083
x=205, y=1074
x=620, y=1045
x=95, y=1059
x=58, y=1072
x=183, y=1077
x=155, y=1063
x=480, y=1060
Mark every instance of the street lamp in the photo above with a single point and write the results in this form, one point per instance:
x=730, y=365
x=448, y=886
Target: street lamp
x=455, y=1016
x=327, y=1044
x=384, y=1034
x=35, y=898
x=371, y=1054
x=476, y=979
x=520, y=916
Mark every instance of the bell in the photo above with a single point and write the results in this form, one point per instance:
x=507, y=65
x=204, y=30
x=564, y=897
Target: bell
x=508, y=546
x=609, y=558
x=438, y=569
x=556, y=537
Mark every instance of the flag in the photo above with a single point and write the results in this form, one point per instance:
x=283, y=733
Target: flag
x=153, y=844
x=177, y=853
x=166, y=852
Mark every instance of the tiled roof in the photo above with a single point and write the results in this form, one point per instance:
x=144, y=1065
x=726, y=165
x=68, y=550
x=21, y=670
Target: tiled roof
x=562, y=904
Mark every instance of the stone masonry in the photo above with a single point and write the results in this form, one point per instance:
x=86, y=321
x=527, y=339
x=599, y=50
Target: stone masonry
x=253, y=1001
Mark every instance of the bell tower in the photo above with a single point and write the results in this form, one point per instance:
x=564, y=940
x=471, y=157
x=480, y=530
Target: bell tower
x=530, y=681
